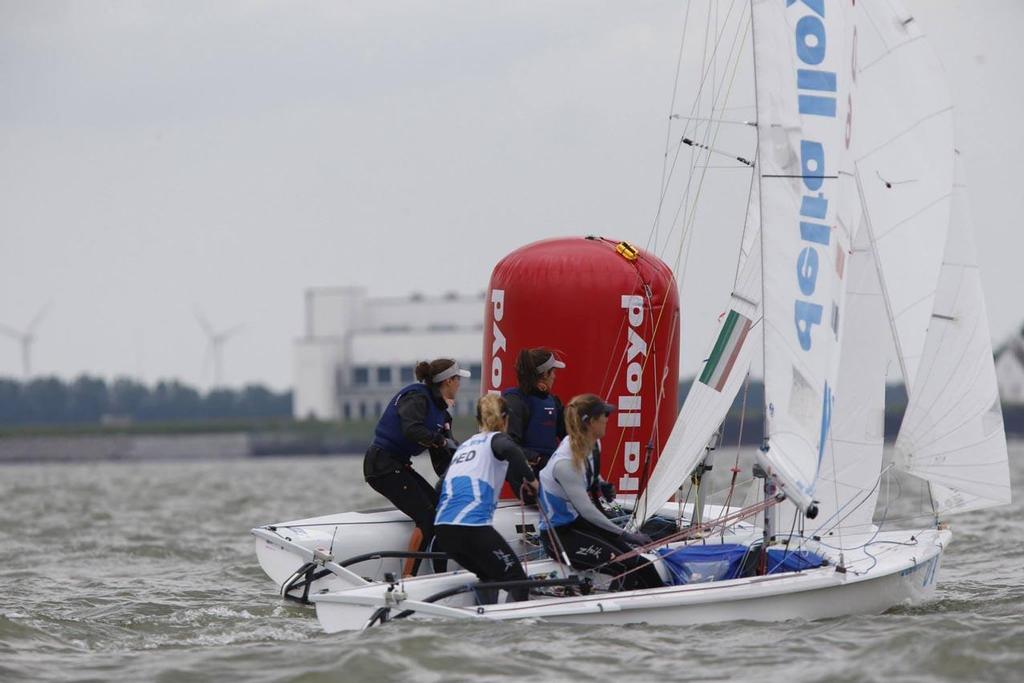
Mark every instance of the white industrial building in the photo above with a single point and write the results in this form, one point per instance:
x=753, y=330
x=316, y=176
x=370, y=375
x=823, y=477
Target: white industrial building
x=1010, y=368
x=358, y=350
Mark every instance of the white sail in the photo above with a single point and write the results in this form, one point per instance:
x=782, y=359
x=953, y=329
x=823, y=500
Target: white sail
x=801, y=63
x=751, y=240
x=904, y=151
x=850, y=468
x=711, y=394
x=952, y=433
x=725, y=367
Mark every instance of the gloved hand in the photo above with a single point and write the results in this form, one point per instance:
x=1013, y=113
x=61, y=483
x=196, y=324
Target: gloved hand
x=635, y=538
x=528, y=492
x=607, y=491
x=451, y=444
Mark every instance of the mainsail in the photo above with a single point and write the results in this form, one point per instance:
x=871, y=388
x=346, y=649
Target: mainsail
x=952, y=433
x=827, y=167
x=802, y=72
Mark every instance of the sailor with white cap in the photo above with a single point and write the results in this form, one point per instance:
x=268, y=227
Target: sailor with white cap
x=536, y=418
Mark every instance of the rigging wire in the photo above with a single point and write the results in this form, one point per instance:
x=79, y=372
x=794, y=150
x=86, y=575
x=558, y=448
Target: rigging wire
x=705, y=72
x=701, y=160
x=835, y=486
x=739, y=444
x=727, y=122
x=728, y=90
x=683, y=535
x=821, y=530
x=668, y=127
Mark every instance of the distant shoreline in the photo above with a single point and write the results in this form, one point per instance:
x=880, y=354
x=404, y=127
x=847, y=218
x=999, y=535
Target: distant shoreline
x=213, y=440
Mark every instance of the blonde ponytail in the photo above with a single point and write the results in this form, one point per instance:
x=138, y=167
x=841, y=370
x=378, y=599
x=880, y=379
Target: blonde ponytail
x=491, y=411
x=580, y=441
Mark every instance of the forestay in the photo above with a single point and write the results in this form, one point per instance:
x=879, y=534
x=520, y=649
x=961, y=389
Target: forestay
x=952, y=433
x=713, y=392
x=726, y=366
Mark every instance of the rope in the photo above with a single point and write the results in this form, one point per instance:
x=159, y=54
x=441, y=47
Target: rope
x=560, y=553
x=735, y=469
x=683, y=535
x=647, y=289
x=522, y=523
x=704, y=530
x=700, y=185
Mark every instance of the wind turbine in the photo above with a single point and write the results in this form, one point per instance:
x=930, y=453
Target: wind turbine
x=26, y=339
x=216, y=346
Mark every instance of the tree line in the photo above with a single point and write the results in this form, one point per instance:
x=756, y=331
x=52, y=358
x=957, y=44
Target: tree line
x=92, y=400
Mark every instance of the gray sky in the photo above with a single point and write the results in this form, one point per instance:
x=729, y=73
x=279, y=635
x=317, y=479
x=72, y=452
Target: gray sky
x=157, y=156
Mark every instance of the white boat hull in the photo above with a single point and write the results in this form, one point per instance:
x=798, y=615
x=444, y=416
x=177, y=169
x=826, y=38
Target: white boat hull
x=902, y=571
x=283, y=548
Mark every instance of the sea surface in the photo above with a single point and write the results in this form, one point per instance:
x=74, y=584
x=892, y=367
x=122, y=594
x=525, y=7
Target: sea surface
x=146, y=572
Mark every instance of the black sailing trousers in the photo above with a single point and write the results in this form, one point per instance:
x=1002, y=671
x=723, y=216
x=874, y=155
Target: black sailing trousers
x=410, y=493
x=483, y=551
x=589, y=547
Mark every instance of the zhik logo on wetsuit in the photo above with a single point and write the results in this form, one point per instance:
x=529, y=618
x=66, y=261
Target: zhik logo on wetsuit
x=589, y=551
x=504, y=557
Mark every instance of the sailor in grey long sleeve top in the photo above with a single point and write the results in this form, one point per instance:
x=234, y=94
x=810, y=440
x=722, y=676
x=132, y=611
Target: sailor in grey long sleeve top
x=573, y=482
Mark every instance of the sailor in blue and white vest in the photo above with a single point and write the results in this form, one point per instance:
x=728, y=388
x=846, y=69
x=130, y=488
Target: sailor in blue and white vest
x=416, y=420
x=536, y=420
x=470, y=494
x=588, y=539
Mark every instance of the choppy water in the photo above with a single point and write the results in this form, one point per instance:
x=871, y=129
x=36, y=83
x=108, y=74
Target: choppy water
x=128, y=572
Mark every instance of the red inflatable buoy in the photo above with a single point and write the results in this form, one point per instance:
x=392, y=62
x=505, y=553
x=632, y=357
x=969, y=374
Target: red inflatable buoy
x=612, y=312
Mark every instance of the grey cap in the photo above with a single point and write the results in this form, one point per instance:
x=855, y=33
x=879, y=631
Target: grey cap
x=551, y=362
x=450, y=372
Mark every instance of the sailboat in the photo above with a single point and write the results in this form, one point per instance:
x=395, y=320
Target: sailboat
x=857, y=231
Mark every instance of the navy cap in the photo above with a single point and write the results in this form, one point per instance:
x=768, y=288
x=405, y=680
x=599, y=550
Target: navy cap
x=597, y=410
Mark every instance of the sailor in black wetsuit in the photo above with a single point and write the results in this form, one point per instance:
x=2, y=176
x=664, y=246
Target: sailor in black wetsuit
x=536, y=420
x=416, y=419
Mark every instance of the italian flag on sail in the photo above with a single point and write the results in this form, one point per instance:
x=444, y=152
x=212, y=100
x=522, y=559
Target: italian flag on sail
x=727, y=347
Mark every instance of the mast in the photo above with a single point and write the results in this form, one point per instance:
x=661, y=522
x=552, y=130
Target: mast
x=768, y=529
